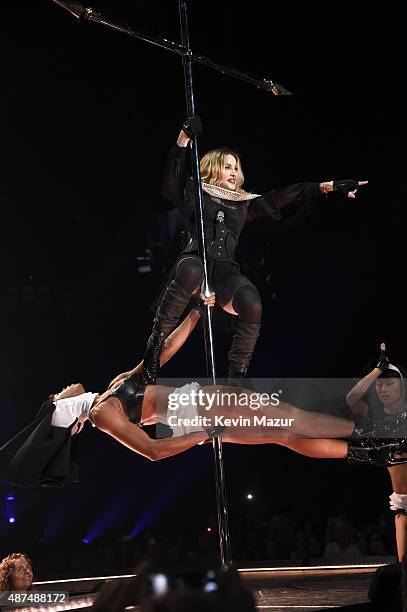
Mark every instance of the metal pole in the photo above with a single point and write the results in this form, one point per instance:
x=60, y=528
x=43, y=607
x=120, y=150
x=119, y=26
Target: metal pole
x=224, y=539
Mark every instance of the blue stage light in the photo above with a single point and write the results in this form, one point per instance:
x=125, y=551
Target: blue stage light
x=11, y=519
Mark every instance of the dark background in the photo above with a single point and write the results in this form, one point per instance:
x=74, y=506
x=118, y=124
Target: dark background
x=88, y=116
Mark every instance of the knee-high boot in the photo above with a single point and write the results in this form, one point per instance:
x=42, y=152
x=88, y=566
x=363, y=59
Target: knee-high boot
x=171, y=308
x=242, y=349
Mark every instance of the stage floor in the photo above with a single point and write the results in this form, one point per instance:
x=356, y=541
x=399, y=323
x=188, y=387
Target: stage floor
x=281, y=591
x=293, y=591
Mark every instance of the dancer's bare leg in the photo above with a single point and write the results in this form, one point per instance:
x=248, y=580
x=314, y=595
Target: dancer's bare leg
x=317, y=448
x=304, y=423
x=155, y=408
x=398, y=475
x=108, y=416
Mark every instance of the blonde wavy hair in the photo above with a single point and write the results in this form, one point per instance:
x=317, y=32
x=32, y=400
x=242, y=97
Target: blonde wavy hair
x=213, y=163
x=6, y=568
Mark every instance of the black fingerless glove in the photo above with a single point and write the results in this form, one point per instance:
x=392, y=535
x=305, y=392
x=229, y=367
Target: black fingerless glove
x=344, y=186
x=192, y=126
x=383, y=362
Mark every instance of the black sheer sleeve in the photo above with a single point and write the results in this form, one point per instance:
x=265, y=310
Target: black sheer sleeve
x=285, y=207
x=176, y=183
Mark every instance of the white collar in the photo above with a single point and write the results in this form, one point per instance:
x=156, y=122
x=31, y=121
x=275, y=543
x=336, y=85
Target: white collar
x=228, y=194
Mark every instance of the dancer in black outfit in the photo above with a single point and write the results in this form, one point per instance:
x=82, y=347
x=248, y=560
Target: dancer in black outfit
x=379, y=400
x=227, y=207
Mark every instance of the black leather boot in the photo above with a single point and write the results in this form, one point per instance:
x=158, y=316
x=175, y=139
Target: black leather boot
x=170, y=310
x=366, y=453
x=151, y=360
x=381, y=452
x=241, y=351
x=237, y=372
x=394, y=452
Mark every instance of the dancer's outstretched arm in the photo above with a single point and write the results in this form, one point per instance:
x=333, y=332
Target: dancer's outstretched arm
x=107, y=419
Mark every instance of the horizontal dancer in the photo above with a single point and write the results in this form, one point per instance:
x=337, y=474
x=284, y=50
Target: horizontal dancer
x=42, y=453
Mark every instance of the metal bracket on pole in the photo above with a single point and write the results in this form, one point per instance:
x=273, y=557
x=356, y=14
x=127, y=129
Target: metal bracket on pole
x=77, y=10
